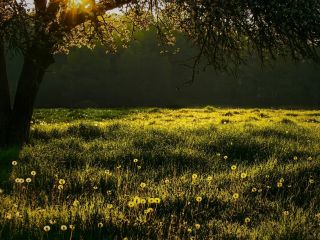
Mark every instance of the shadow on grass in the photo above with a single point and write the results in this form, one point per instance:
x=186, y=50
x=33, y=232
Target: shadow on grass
x=109, y=231
x=68, y=114
x=6, y=158
x=85, y=131
x=286, y=134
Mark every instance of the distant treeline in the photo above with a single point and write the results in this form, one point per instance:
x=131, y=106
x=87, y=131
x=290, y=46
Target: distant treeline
x=143, y=76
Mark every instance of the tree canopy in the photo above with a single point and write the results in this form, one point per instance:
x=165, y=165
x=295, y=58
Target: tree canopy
x=226, y=32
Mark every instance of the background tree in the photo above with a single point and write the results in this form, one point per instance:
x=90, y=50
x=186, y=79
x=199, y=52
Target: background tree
x=223, y=31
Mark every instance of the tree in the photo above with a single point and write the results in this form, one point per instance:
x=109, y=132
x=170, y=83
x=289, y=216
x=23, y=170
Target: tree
x=224, y=32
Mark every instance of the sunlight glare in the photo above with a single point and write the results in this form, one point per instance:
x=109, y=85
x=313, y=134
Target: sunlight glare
x=77, y=3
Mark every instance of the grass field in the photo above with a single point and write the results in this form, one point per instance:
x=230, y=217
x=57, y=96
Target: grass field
x=201, y=173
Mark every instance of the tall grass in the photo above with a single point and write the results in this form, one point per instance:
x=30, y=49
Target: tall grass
x=202, y=173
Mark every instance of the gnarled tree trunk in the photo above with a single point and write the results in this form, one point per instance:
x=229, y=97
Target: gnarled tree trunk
x=5, y=107
x=32, y=73
x=15, y=122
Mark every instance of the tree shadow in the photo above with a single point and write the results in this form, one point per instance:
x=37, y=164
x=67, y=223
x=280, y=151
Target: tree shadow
x=6, y=158
x=73, y=114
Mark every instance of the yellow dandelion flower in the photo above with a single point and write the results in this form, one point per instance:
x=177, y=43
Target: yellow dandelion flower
x=17, y=180
x=148, y=210
x=63, y=227
x=235, y=195
x=157, y=200
x=225, y=157
x=311, y=181
x=198, y=199
x=28, y=180
x=33, y=173
x=253, y=189
x=51, y=221
x=143, y=185
x=143, y=201
x=135, y=160
x=197, y=226
x=247, y=220
x=233, y=167
x=136, y=200
x=62, y=181
x=189, y=230
x=166, y=181
x=285, y=213
x=209, y=178
x=14, y=163
x=194, y=176
x=281, y=180
x=46, y=228
x=139, y=167
x=295, y=158
x=279, y=184
x=95, y=187
x=131, y=204
x=164, y=194
x=72, y=227
x=243, y=175
x=100, y=225
x=60, y=187
x=151, y=200
x=109, y=206
x=21, y=180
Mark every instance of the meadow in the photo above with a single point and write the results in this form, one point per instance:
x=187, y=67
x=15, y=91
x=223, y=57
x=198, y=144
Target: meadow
x=155, y=173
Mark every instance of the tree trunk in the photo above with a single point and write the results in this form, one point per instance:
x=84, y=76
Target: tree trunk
x=5, y=107
x=31, y=76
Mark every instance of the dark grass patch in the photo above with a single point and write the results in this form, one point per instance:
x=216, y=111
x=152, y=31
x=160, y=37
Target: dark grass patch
x=281, y=133
x=287, y=121
x=69, y=115
x=240, y=148
x=263, y=115
x=292, y=114
x=228, y=114
x=85, y=131
x=6, y=158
